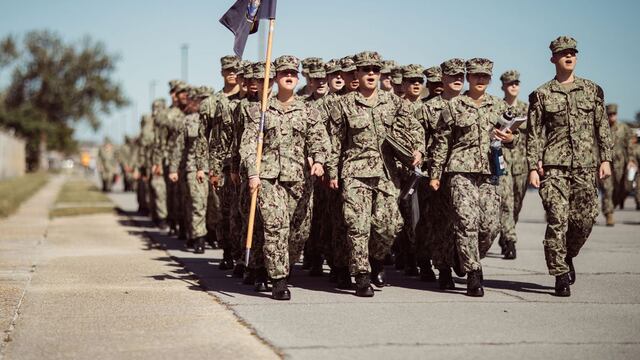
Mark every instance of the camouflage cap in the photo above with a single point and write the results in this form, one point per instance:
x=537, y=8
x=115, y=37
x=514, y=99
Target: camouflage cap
x=453, y=66
x=241, y=67
x=332, y=66
x=173, y=84
x=316, y=70
x=412, y=71
x=563, y=43
x=180, y=87
x=396, y=75
x=259, y=70
x=510, y=76
x=433, y=74
x=347, y=64
x=479, y=66
x=248, y=70
x=286, y=62
x=612, y=109
x=205, y=91
x=229, y=62
x=367, y=58
x=387, y=65
x=160, y=103
x=308, y=61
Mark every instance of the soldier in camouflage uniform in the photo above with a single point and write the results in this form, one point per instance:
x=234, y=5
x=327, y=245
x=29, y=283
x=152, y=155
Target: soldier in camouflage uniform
x=307, y=89
x=334, y=76
x=435, y=220
x=360, y=122
x=396, y=81
x=462, y=150
x=158, y=193
x=124, y=156
x=348, y=74
x=434, y=82
x=568, y=143
x=295, y=147
x=385, y=75
x=614, y=189
x=107, y=164
x=513, y=185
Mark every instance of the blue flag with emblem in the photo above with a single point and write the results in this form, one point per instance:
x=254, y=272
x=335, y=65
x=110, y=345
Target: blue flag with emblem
x=244, y=17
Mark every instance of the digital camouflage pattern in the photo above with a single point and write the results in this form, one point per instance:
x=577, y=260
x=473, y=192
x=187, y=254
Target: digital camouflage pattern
x=614, y=188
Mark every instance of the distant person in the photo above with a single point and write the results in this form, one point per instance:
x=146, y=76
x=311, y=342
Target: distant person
x=107, y=164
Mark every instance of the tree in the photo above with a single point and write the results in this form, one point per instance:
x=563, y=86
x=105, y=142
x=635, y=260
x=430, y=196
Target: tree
x=54, y=85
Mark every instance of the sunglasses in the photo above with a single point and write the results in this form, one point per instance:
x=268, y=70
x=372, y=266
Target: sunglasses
x=367, y=69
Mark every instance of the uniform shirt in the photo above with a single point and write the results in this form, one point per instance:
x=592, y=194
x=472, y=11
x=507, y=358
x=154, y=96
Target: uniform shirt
x=567, y=126
x=291, y=135
x=224, y=129
x=428, y=115
x=359, y=128
x=515, y=157
x=190, y=154
x=174, y=123
x=462, y=143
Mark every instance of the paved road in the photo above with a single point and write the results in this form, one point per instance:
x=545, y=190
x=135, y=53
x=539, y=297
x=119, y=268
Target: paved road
x=517, y=318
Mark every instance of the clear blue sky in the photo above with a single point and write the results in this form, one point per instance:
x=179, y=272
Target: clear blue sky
x=514, y=34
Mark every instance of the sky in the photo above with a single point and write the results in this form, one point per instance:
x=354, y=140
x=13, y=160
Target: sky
x=148, y=35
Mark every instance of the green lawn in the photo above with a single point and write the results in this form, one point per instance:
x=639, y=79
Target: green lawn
x=15, y=191
x=80, y=197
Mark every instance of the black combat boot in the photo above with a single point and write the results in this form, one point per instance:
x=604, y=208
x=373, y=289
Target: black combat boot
x=426, y=272
x=238, y=270
x=572, y=270
x=316, y=266
x=189, y=243
x=474, y=283
x=212, y=239
x=377, y=273
x=343, y=278
x=162, y=224
x=562, y=285
x=198, y=247
x=445, y=280
x=280, y=290
x=227, y=260
x=510, y=254
x=261, y=283
x=363, y=285
x=249, y=276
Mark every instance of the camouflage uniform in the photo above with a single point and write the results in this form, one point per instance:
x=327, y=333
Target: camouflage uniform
x=145, y=143
x=513, y=185
x=358, y=129
x=173, y=121
x=568, y=132
x=156, y=156
x=107, y=164
x=462, y=151
x=291, y=135
x=124, y=157
x=614, y=187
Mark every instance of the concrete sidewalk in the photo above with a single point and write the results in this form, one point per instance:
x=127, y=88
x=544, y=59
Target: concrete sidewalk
x=95, y=288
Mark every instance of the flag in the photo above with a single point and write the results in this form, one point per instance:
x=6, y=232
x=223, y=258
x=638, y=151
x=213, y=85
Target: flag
x=243, y=19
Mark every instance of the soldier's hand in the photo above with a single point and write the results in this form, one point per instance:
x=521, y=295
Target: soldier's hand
x=156, y=170
x=333, y=184
x=417, y=158
x=200, y=176
x=317, y=170
x=434, y=184
x=213, y=180
x=235, y=178
x=505, y=136
x=173, y=177
x=534, y=179
x=254, y=184
x=605, y=170
x=540, y=168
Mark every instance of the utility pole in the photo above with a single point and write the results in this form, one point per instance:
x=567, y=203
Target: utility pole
x=185, y=62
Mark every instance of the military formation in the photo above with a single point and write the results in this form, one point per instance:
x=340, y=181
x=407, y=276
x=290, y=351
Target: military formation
x=372, y=164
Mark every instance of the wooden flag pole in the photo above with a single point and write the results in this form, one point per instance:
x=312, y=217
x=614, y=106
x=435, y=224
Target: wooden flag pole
x=263, y=110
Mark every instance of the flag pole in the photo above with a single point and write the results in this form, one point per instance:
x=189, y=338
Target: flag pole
x=263, y=110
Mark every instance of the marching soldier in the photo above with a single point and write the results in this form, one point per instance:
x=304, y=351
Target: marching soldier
x=396, y=81
x=434, y=82
x=107, y=164
x=568, y=143
x=385, y=75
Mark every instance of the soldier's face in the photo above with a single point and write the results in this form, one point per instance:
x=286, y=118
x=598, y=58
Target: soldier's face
x=435, y=87
x=413, y=87
x=479, y=82
x=287, y=79
x=253, y=86
x=182, y=98
x=350, y=80
x=385, y=82
x=229, y=76
x=512, y=88
x=565, y=60
x=453, y=83
x=368, y=77
x=613, y=117
x=242, y=82
x=320, y=86
x=336, y=82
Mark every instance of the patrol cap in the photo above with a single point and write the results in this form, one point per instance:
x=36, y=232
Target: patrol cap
x=347, y=64
x=563, y=43
x=479, y=66
x=332, y=66
x=433, y=74
x=159, y=103
x=387, y=65
x=286, y=62
x=396, y=75
x=510, y=76
x=452, y=67
x=180, y=87
x=316, y=70
x=367, y=58
x=612, y=109
x=205, y=91
x=173, y=84
x=412, y=71
x=308, y=61
x=248, y=70
x=242, y=65
x=229, y=62
x=259, y=70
